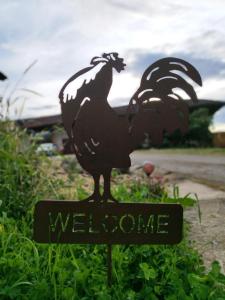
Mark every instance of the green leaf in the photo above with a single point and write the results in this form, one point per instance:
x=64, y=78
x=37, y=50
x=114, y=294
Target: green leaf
x=215, y=271
x=149, y=273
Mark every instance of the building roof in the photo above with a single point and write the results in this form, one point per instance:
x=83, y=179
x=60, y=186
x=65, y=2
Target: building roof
x=42, y=122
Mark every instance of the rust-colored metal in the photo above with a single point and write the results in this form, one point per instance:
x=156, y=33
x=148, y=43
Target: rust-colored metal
x=101, y=139
x=79, y=222
x=107, y=223
x=109, y=261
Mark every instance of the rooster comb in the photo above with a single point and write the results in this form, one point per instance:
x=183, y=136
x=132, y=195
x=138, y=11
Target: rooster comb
x=104, y=58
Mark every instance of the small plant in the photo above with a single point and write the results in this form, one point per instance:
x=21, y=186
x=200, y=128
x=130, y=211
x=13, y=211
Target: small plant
x=22, y=177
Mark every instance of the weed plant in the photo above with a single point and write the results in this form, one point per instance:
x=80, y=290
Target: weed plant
x=22, y=178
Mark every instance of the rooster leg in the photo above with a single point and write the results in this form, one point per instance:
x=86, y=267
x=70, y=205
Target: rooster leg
x=96, y=194
x=107, y=192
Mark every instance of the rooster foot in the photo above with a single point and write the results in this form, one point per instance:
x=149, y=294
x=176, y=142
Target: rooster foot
x=93, y=198
x=108, y=198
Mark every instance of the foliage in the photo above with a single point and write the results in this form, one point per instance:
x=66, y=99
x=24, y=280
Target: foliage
x=22, y=180
x=198, y=134
x=33, y=271
x=29, y=270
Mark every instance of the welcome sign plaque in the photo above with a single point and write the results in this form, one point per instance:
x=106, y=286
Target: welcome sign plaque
x=102, y=140
x=84, y=223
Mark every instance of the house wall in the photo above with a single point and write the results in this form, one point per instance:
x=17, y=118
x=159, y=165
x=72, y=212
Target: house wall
x=219, y=139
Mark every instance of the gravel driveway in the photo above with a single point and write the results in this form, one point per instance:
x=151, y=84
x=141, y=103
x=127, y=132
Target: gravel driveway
x=207, y=168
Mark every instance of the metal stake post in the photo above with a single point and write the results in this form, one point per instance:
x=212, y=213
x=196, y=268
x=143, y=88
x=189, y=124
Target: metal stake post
x=109, y=259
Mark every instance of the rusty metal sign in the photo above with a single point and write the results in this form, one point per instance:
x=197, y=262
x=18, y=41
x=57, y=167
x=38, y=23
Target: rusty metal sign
x=103, y=140
x=107, y=223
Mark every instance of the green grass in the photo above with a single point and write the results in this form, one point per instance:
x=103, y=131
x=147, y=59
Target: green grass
x=34, y=271
x=22, y=179
x=29, y=270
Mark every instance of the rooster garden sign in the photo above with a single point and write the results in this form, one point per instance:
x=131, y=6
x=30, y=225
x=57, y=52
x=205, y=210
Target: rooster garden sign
x=102, y=140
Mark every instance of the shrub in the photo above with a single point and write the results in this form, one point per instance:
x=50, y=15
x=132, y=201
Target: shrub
x=198, y=134
x=22, y=180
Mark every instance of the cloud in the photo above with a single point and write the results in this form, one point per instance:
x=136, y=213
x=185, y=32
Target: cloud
x=63, y=35
x=206, y=66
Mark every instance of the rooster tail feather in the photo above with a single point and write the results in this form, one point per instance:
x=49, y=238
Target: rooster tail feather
x=156, y=106
x=162, y=77
x=166, y=65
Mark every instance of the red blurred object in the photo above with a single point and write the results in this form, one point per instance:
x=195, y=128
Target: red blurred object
x=148, y=168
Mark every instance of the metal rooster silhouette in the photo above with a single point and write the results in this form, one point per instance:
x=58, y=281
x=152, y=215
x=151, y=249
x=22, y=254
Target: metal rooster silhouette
x=101, y=139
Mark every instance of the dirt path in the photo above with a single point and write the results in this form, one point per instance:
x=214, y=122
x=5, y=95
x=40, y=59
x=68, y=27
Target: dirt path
x=204, y=168
x=208, y=234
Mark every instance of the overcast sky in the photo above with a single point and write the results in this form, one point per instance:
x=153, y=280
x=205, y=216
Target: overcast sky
x=64, y=35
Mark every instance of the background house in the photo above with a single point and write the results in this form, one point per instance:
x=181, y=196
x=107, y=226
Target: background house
x=50, y=130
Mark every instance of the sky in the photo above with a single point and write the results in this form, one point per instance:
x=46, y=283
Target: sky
x=60, y=37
